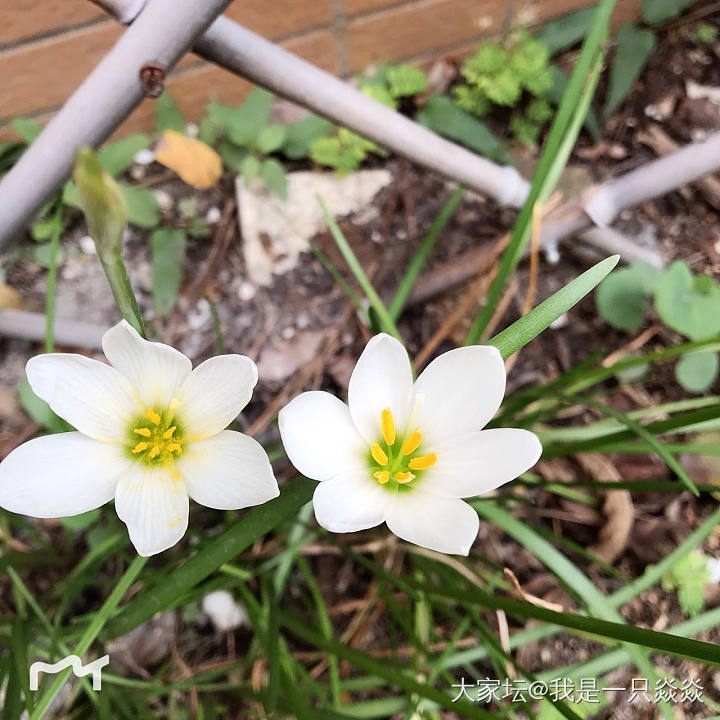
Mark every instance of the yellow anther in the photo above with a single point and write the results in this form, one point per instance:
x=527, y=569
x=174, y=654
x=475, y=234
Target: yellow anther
x=153, y=417
x=412, y=443
x=423, y=462
x=169, y=432
x=174, y=447
x=140, y=447
x=388, y=426
x=378, y=454
x=404, y=477
x=145, y=432
x=155, y=451
x=382, y=476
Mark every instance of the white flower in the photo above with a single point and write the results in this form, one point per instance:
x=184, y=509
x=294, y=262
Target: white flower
x=151, y=431
x=404, y=453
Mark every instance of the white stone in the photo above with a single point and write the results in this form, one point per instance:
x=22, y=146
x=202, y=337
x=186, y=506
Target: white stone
x=224, y=613
x=144, y=157
x=287, y=226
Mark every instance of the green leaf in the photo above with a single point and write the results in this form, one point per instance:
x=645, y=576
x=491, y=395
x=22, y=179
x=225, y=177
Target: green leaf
x=524, y=130
x=26, y=129
x=634, y=47
x=696, y=372
x=301, y=134
x=566, y=31
x=232, y=155
x=473, y=99
x=444, y=117
x=541, y=317
x=81, y=521
x=539, y=111
x=406, y=80
x=622, y=300
x=489, y=58
x=142, y=207
x=503, y=88
x=555, y=93
x=271, y=138
x=690, y=575
x=169, y=590
x=249, y=168
x=116, y=157
x=39, y=410
x=690, y=305
x=167, y=114
x=250, y=118
x=43, y=255
x=168, y=255
x=208, y=131
x=659, y=11
x=273, y=173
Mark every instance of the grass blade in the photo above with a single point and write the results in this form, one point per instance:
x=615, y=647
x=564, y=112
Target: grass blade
x=541, y=317
x=386, y=321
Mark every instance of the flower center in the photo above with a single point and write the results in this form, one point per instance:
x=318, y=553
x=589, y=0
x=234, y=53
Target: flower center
x=156, y=438
x=394, y=462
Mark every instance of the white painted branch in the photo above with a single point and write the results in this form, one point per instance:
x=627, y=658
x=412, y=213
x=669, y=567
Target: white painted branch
x=31, y=326
x=162, y=32
x=252, y=56
x=124, y=11
x=601, y=204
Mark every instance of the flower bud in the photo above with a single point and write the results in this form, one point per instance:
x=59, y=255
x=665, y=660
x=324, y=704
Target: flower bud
x=102, y=202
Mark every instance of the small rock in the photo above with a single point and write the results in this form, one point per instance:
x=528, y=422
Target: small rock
x=246, y=291
x=164, y=200
x=224, y=613
x=145, y=646
x=144, y=157
x=87, y=245
x=213, y=215
x=280, y=360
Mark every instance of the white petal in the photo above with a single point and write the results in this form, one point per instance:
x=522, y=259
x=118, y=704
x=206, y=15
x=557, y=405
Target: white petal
x=60, y=475
x=352, y=501
x=153, y=503
x=154, y=370
x=228, y=471
x=92, y=396
x=214, y=394
x=476, y=463
x=319, y=436
x=460, y=391
x=447, y=525
x=381, y=379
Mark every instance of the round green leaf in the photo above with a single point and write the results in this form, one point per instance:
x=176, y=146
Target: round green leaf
x=622, y=300
x=696, y=372
x=690, y=305
x=271, y=138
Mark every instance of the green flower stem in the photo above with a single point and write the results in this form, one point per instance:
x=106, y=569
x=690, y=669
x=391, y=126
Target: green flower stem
x=122, y=291
x=91, y=633
x=52, y=279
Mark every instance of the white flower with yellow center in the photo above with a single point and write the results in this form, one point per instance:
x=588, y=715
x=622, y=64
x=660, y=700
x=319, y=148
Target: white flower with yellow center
x=405, y=453
x=151, y=431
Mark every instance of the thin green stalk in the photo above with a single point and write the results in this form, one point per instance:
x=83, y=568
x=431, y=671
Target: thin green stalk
x=561, y=138
x=325, y=626
x=219, y=342
x=52, y=279
x=420, y=258
x=122, y=291
x=388, y=324
x=91, y=632
x=340, y=280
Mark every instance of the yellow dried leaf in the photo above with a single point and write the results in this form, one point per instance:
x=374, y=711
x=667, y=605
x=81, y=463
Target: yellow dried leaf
x=9, y=297
x=194, y=161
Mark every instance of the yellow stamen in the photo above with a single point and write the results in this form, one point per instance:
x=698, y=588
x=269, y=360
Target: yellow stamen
x=412, y=443
x=382, y=476
x=378, y=454
x=145, y=432
x=155, y=451
x=153, y=416
x=174, y=447
x=423, y=462
x=404, y=477
x=388, y=426
x=169, y=432
x=140, y=447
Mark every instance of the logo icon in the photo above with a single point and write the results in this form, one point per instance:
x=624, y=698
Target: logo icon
x=94, y=668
